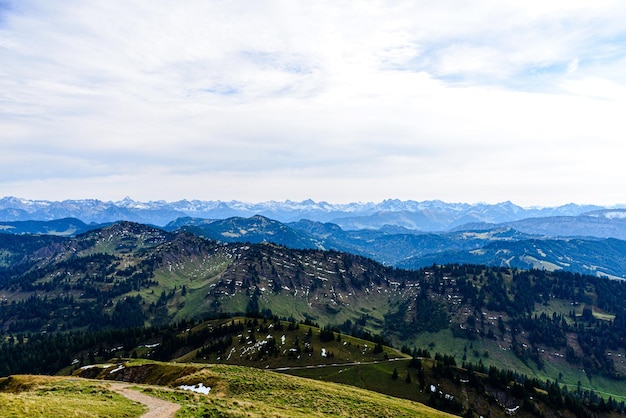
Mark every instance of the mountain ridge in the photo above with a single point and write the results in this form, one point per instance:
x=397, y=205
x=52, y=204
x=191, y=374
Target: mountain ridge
x=546, y=243
x=435, y=213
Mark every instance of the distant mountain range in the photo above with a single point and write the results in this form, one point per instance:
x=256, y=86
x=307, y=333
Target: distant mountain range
x=581, y=239
x=431, y=215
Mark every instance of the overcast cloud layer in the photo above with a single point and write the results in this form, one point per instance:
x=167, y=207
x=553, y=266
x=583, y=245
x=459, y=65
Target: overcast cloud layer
x=338, y=101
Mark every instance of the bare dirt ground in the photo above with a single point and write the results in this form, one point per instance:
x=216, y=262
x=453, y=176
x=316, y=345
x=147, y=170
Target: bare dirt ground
x=157, y=408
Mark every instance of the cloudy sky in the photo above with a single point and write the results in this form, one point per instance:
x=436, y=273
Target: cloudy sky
x=463, y=101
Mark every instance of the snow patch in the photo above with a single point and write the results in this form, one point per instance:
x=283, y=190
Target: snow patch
x=199, y=388
x=615, y=215
x=152, y=345
x=91, y=366
x=117, y=369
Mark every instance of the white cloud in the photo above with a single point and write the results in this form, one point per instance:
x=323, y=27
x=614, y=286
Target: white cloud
x=477, y=100
x=572, y=66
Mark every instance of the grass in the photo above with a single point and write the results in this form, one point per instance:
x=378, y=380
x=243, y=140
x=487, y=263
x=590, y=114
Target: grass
x=196, y=275
x=374, y=377
x=243, y=352
x=555, y=369
x=45, y=396
x=243, y=391
x=378, y=377
x=194, y=300
x=598, y=314
x=560, y=306
x=571, y=376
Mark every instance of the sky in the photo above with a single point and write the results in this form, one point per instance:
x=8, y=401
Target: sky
x=337, y=101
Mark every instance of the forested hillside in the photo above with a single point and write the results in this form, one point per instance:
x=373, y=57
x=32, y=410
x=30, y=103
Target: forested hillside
x=558, y=325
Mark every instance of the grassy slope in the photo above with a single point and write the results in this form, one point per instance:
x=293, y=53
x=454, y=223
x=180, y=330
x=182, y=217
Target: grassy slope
x=243, y=391
x=375, y=377
x=378, y=377
x=39, y=396
x=555, y=369
x=244, y=352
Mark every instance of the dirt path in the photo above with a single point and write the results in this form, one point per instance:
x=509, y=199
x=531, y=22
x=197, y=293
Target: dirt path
x=355, y=363
x=157, y=408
